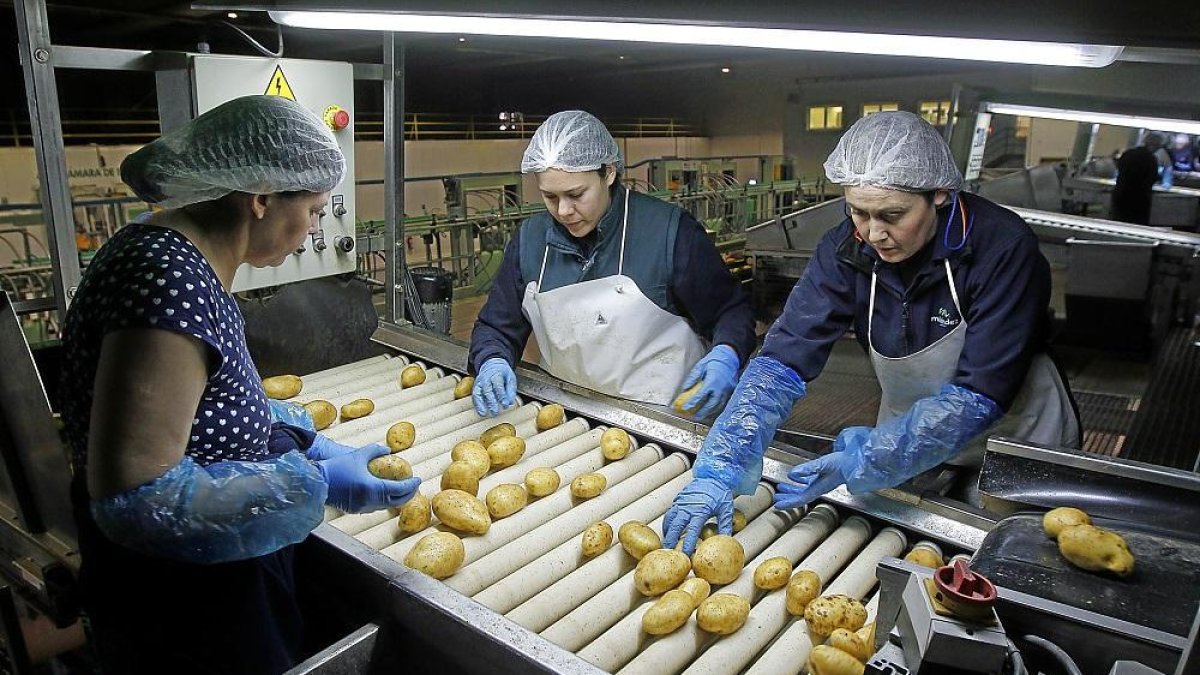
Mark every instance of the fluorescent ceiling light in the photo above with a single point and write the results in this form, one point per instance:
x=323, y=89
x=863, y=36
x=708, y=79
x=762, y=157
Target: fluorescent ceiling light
x=1135, y=121
x=926, y=46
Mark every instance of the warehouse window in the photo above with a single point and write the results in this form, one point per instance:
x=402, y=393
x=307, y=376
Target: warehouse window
x=872, y=108
x=936, y=113
x=824, y=117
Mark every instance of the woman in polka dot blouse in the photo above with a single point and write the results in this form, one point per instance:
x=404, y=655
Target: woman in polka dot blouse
x=188, y=496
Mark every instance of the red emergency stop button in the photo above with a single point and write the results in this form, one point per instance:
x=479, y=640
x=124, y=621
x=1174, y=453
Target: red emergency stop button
x=337, y=117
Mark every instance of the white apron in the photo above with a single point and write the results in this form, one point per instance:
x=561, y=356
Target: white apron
x=1041, y=413
x=604, y=334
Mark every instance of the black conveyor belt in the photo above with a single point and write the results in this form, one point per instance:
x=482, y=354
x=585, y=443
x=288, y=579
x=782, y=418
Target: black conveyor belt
x=1167, y=429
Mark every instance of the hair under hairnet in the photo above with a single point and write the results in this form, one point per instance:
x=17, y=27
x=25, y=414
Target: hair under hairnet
x=893, y=150
x=571, y=140
x=255, y=144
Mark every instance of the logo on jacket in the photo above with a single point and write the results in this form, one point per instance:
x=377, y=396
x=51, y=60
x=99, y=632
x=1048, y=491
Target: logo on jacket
x=600, y=320
x=943, y=319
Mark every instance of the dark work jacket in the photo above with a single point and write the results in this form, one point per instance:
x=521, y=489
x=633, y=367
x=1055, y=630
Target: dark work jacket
x=1137, y=171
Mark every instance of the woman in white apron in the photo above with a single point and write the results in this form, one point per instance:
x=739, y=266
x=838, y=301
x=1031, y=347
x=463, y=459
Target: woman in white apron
x=948, y=294
x=624, y=292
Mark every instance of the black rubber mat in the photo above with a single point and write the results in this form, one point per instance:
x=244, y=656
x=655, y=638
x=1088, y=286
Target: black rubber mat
x=836, y=401
x=1166, y=431
x=1106, y=421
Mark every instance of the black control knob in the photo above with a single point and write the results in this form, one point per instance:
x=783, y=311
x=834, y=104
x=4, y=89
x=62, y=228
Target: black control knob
x=339, y=210
x=319, y=245
x=345, y=244
x=299, y=251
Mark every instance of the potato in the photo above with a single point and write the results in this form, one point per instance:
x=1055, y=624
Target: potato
x=415, y=515
x=359, y=407
x=697, y=588
x=1091, y=548
x=860, y=644
x=668, y=613
x=461, y=511
x=282, y=386
x=719, y=559
x=803, y=588
x=541, y=481
x=1057, y=520
x=439, y=555
x=722, y=613
x=660, y=570
x=827, y=660
x=588, y=485
x=411, y=376
x=828, y=612
x=550, y=416
x=596, y=539
x=505, y=499
x=499, y=431
x=615, y=444
x=684, y=396
x=739, y=523
x=925, y=554
x=638, y=539
x=400, y=436
x=464, y=387
x=773, y=573
x=323, y=413
x=505, y=451
x=461, y=475
x=391, y=467
x=473, y=453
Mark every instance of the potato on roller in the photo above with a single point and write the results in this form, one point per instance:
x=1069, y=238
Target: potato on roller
x=668, y=613
x=461, y=511
x=472, y=452
x=615, y=444
x=828, y=612
x=660, y=570
x=439, y=555
x=588, y=485
x=803, y=588
x=739, y=523
x=860, y=643
x=504, y=500
x=360, y=407
x=1096, y=550
x=282, y=386
x=698, y=588
x=926, y=554
x=323, y=413
x=505, y=451
x=596, y=539
x=499, y=431
x=722, y=613
x=391, y=467
x=550, y=416
x=638, y=539
x=1057, y=520
x=415, y=515
x=541, y=481
x=773, y=573
x=464, y=387
x=719, y=559
x=461, y=475
x=400, y=436
x=411, y=376
x=827, y=660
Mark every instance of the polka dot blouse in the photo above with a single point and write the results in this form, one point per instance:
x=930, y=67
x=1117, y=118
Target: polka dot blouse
x=152, y=277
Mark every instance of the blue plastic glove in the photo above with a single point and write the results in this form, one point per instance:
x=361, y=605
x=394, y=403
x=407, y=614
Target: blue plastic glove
x=291, y=413
x=693, y=505
x=718, y=372
x=934, y=430
x=732, y=454
x=353, y=489
x=812, y=479
x=495, y=387
x=217, y=513
x=324, y=447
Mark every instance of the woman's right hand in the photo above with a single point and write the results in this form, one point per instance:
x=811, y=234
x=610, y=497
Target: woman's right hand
x=495, y=387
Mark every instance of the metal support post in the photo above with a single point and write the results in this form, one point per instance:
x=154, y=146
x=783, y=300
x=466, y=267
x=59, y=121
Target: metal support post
x=45, y=122
x=393, y=175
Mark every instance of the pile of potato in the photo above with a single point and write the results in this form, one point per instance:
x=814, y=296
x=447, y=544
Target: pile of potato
x=1086, y=546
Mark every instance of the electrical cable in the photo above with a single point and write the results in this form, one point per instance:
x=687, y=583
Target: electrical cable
x=1055, y=651
x=258, y=45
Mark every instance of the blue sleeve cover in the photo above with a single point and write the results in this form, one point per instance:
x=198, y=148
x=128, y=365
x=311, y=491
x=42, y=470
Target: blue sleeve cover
x=218, y=513
x=291, y=413
x=934, y=430
x=732, y=452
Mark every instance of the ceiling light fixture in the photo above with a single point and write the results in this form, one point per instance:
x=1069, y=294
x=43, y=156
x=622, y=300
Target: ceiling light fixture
x=724, y=70
x=232, y=15
x=925, y=46
x=1113, y=119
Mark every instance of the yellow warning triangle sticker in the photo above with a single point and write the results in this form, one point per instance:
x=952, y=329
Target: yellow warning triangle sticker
x=279, y=85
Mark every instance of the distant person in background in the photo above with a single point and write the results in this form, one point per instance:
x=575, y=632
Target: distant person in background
x=1183, y=154
x=1137, y=172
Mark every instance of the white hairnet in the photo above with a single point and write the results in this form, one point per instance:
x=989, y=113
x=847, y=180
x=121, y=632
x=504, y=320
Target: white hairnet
x=255, y=144
x=894, y=150
x=571, y=140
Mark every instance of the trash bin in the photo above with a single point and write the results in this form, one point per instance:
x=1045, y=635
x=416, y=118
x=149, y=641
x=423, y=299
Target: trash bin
x=435, y=290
